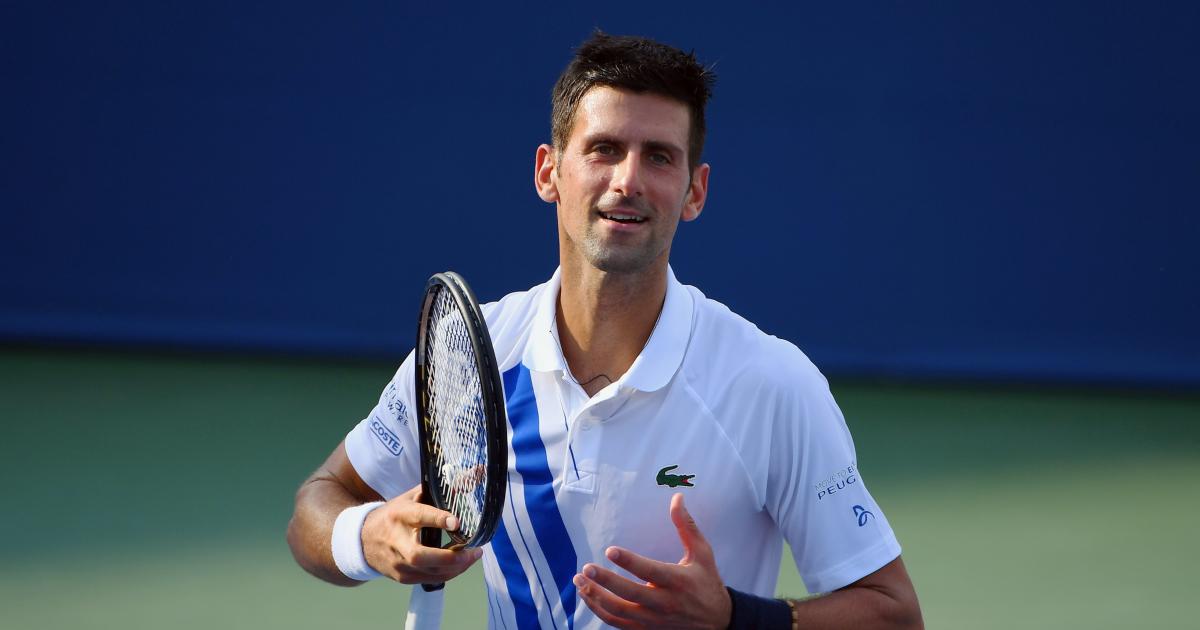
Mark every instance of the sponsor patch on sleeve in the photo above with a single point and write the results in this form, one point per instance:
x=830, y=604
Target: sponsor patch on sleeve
x=386, y=437
x=394, y=405
x=840, y=480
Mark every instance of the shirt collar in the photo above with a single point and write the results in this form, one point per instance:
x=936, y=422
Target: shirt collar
x=658, y=360
x=542, y=353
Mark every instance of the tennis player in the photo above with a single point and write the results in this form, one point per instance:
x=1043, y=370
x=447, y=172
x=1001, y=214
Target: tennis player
x=662, y=448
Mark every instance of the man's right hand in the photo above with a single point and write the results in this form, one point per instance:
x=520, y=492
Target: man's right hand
x=391, y=542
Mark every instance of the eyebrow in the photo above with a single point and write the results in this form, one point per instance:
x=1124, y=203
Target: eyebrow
x=666, y=147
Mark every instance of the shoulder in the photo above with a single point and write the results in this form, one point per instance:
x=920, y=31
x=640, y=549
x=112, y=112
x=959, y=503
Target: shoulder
x=509, y=319
x=515, y=306
x=730, y=352
x=764, y=393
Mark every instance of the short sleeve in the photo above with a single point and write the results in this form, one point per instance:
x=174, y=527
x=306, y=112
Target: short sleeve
x=816, y=493
x=383, y=447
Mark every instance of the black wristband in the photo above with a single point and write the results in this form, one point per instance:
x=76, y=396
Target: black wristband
x=752, y=611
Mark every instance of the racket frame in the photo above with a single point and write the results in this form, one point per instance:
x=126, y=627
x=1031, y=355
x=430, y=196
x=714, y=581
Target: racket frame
x=492, y=402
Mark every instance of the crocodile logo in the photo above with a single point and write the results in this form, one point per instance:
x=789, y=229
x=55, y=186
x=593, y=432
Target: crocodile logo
x=664, y=478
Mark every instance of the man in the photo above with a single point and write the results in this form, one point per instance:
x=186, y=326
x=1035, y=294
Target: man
x=628, y=395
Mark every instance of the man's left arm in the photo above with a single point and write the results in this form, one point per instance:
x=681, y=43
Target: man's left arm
x=883, y=599
x=691, y=594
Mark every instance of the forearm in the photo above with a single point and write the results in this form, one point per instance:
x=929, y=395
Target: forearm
x=318, y=503
x=884, y=599
x=857, y=607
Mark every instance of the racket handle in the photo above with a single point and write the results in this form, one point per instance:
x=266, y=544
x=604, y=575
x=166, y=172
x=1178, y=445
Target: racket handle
x=431, y=537
x=425, y=608
x=425, y=604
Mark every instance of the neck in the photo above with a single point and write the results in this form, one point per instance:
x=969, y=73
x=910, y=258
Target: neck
x=605, y=319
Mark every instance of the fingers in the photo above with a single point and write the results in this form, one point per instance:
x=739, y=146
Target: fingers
x=411, y=562
x=415, y=514
x=391, y=540
x=416, y=577
x=611, y=609
x=434, y=559
x=695, y=545
x=653, y=571
x=689, y=594
x=428, y=565
x=650, y=597
x=418, y=515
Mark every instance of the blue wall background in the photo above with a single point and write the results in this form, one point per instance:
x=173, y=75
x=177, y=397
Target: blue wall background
x=1004, y=191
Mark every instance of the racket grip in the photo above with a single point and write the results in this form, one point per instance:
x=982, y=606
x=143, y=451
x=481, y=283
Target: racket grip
x=431, y=537
x=425, y=609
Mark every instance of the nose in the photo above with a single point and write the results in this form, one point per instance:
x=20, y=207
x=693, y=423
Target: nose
x=627, y=176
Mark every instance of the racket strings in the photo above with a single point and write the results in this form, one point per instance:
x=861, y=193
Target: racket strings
x=456, y=419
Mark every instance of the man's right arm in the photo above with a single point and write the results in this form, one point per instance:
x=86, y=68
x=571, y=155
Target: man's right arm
x=389, y=535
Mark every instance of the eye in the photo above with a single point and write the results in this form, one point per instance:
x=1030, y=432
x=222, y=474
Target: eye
x=605, y=149
x=661, y=159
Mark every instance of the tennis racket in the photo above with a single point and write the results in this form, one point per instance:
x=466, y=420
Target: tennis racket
x=463, y=427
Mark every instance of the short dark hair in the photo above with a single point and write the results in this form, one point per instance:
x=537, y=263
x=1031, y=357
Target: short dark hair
x=637, y=64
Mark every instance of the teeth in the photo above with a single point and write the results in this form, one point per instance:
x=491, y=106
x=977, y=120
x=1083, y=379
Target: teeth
x=628, y=218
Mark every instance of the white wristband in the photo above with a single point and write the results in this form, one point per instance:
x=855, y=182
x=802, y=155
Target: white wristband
x=347, y=543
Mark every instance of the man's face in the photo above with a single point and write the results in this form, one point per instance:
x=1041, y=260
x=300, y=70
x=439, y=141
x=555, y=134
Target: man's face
x=622, y=182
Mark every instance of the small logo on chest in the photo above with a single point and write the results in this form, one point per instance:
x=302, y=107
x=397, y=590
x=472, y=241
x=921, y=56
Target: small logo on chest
x=664, y=478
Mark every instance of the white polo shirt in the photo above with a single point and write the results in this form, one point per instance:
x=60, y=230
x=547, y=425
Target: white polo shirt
x=739, y=421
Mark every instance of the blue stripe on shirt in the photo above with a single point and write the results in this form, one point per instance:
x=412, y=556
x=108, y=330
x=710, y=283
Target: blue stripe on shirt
x=548, y=527
x=514, y=577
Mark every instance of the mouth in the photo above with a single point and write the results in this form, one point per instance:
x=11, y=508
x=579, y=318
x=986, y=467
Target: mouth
x=620, y=216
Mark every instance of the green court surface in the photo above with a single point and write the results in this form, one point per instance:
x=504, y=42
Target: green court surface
x=152, y=491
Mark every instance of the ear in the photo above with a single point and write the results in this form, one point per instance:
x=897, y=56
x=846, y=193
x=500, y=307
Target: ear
x=544, y=177
x=697, y=193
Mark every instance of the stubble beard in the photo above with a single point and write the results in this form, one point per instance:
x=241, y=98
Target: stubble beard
x=618, y=259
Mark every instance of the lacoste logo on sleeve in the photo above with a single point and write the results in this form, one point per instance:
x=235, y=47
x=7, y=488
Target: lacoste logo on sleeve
x=386, y=437
x=673, y=481
x=862, y=514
